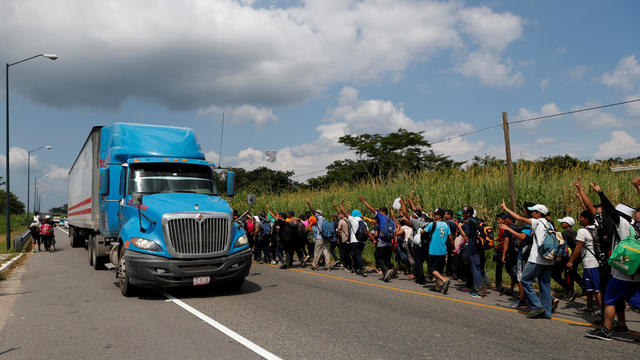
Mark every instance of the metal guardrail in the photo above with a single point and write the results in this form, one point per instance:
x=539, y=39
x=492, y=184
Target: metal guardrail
x=19, y=241
x=625, y=168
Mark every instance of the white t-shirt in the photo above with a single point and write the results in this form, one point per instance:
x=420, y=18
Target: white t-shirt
x=353, y=224
x=539, y=227
x=624, y=230
x=408, y=234
x=588, y=259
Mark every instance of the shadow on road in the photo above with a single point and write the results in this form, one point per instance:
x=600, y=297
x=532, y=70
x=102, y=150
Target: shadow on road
x=195, y=292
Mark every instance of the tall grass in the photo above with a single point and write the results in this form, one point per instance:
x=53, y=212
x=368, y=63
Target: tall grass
x=482, y=188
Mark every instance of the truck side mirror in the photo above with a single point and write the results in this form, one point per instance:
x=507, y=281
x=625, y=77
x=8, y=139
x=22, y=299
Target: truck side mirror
x=231, y=183
x=104, y=181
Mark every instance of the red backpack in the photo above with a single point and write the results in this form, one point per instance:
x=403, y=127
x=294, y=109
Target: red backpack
x=250, y=225
x=46, y=229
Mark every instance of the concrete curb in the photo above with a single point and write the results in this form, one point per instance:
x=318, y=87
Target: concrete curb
x=8, y=263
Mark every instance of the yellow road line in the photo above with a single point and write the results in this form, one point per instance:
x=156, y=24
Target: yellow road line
x=436, y=296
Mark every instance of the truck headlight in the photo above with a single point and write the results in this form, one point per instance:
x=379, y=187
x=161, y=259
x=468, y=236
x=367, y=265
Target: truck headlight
x=242, y=241
x=145, y=244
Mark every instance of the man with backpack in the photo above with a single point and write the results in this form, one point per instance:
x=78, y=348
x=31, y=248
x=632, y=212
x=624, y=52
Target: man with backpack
x=537, y=266
x=473, y=253
x=622, y=287
x=358, y=231
x=322, y=230
x=384, y=248
x=344, y=236
x=510, y=248
x=264, y=234
x=46, y=233
x=584, y=250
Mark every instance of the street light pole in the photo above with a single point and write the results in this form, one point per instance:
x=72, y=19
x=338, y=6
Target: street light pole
x=8, y=187
x=48, y=147
x=35, y=198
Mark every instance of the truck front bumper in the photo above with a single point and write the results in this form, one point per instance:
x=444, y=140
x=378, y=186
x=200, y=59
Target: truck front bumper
x=155, y=271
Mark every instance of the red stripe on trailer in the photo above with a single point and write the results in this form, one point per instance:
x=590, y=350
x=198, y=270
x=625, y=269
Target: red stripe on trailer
x=81, y=203
x=81, y=212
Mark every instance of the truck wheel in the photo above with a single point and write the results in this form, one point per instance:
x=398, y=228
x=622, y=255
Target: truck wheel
x=74, y=238
x=90, y=250
x=126, y=288
x=96, y=261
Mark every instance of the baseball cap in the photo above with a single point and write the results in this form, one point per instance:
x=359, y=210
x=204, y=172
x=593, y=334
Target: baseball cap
x=468, y=210
x=319, y=211
x=625, y=210
x=539, y=208
x=356, y=213
x=568, y=219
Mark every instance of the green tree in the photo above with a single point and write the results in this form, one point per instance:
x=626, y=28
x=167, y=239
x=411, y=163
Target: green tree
x=383, y=155
x=59, y=209
x=15, y=206
x=261, y=181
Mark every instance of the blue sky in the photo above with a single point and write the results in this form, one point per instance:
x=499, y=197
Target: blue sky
x=295, y=75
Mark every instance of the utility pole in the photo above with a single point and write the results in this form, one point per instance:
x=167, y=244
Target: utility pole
x=507, y=146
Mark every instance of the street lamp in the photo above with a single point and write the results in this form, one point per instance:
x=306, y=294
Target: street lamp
x=48, y=147
x=8, y=187
x=35, y=188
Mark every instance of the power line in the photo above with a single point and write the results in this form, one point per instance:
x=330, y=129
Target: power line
x=537, y=118
x=511, y=122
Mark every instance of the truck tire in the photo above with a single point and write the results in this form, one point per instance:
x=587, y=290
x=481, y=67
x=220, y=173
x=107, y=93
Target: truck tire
x=96, y=261
x=126, y=288
x=90, y=250
x=74, y=238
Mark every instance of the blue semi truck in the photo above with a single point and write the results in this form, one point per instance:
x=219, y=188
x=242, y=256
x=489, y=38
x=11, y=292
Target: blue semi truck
x=144, y=201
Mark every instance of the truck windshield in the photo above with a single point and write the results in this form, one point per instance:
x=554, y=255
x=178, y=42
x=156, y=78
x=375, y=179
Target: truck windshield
x=151, y=178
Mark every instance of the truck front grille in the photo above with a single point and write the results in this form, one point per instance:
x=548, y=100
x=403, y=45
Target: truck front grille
x=197, y=234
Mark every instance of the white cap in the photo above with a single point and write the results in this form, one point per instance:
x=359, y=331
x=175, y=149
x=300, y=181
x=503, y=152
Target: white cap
x=625, y=209
x=540, y=208
x=569, y=220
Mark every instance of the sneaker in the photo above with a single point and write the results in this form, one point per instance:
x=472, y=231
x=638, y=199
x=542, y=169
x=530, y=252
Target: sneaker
x=476, y=296
x=571, y=296
x=445, y=287
x=597, y=312
x=620, y=329
x=273, y=262
x=554, y=305
x=364, y=274
x=600, y=333
x=516, y=304
x=387, y=275
x=284, y=266
x=535, y=313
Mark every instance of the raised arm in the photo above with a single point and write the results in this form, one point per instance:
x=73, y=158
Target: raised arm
x=607, y=206
x=270, y=213
x=367, y=204
x=584, y=199
x=344, y=212
x=416, y=209
x=313, y=211
x=404, y=209
x=514, y=214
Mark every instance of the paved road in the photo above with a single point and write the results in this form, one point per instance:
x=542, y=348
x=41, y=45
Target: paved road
x=55, y=306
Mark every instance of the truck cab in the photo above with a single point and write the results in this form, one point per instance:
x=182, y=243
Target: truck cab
x=159, y=219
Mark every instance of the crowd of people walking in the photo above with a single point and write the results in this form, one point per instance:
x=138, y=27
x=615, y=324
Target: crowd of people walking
x=454, y=247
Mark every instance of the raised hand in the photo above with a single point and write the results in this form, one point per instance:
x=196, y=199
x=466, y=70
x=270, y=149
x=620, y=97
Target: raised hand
x=595, y=187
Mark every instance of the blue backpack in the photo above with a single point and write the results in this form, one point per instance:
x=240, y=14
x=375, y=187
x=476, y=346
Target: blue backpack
x=388, y=230
x=549, y=247
x=266, y=227
x=327, y=230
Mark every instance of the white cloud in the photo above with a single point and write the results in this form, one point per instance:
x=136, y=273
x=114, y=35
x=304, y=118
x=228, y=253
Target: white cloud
x=544, y=83
x=545, y=110
x=492, y=30
x=260, y=116
x=578, y=72
x=546, y=140
x=355, y=116
x=621, y=144
x=19, y=160
x=633, y=109
x=55, y=172
x=596, y=118
x=487, y=67
x=625, y=76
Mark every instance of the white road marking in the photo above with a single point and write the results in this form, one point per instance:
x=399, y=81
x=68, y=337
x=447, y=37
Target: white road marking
x=223, y=329
x=63, y=231
x=8, y=263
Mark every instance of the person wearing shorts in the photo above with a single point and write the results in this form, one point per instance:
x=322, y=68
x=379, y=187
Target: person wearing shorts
x=584, y=248
x=440, y=236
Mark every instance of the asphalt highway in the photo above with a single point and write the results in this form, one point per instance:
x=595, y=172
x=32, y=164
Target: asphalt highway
x=54, y=306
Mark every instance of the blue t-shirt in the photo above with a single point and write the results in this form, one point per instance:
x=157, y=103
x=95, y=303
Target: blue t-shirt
x=438, y=244
x=382, y=224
